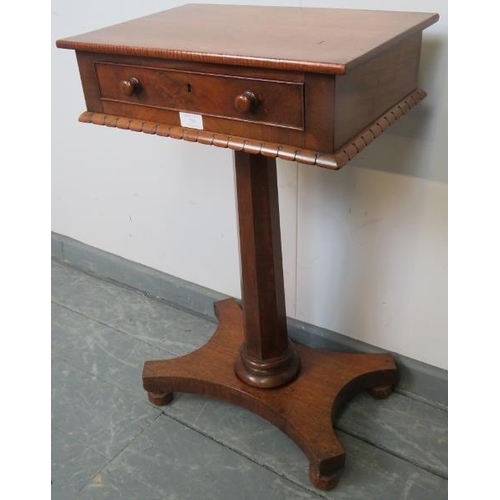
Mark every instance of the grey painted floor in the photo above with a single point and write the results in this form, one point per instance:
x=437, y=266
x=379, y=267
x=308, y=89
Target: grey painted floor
x=108, y=442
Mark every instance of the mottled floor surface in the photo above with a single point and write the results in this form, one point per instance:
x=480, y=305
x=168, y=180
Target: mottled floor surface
x=109, y=442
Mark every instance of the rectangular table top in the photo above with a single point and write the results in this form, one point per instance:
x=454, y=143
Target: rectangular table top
x=302, y=39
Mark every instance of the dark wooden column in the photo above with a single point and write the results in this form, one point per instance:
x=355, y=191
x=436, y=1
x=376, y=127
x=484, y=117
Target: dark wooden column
x=267, y=358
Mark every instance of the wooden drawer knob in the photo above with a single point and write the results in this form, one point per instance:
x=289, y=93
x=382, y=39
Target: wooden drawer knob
x=130, y=87
x=245, y=102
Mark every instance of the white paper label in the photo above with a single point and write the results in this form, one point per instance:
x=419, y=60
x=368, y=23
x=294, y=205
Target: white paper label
x=189, y=120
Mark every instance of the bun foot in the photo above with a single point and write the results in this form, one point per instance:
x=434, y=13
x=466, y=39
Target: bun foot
x=380, y=391
x=160, y=399
x=322, y=481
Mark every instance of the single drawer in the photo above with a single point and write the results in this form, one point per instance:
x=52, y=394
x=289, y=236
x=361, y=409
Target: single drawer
x=272, y=102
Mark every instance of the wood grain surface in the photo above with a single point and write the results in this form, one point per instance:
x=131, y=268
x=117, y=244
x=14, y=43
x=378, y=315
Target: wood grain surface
x=314, y=40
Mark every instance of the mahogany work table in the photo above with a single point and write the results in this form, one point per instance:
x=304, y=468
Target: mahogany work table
x=314, y=86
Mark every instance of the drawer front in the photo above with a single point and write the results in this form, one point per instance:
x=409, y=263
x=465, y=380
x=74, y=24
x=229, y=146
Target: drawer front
x=272, y=102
